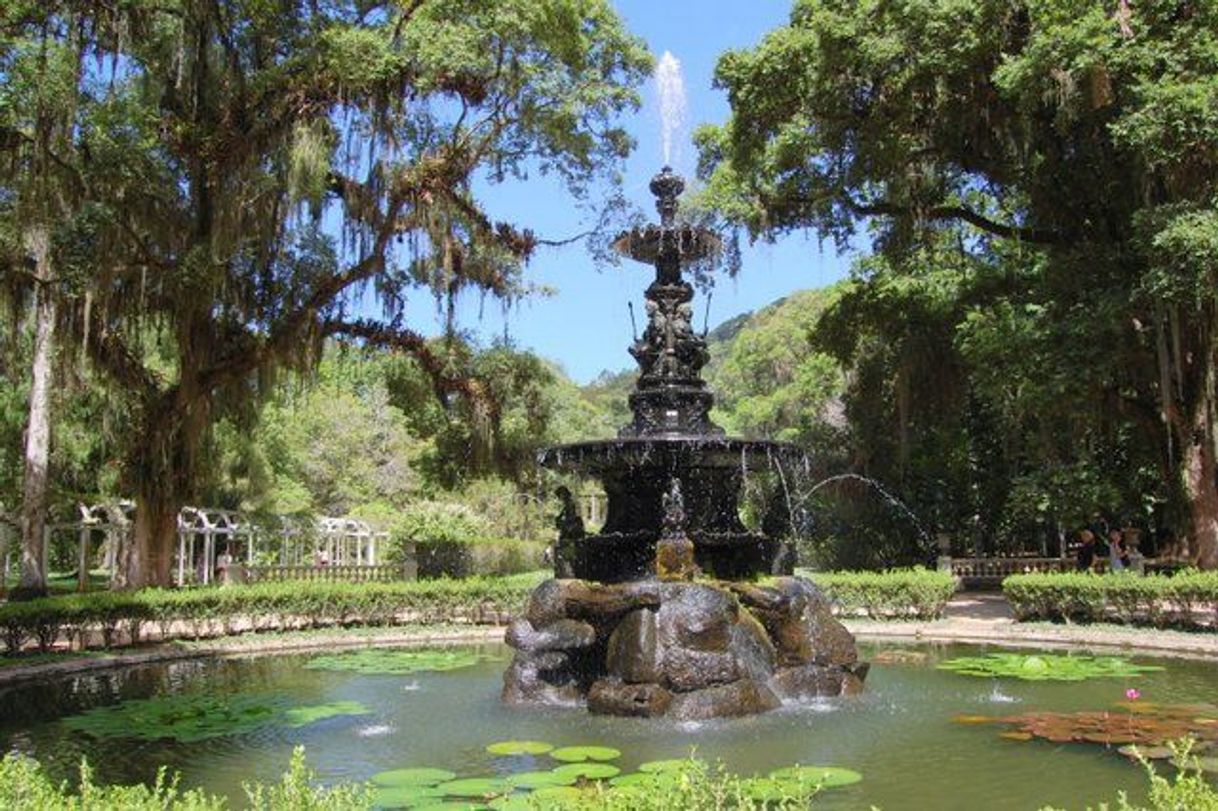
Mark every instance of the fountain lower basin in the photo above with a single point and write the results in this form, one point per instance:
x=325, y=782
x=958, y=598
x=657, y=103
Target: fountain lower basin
x=635, y=473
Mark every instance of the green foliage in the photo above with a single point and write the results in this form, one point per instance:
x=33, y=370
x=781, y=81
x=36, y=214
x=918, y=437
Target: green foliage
x=1044, y=667
x=298, y=789
x=210, y=611
x=688, y=785
x=1188, y=790
x=769, y=380
x=213, y=230
x=1186, y=598
x=1031, y=341
x=394, y=662
x=898, y=594
x=24, y=784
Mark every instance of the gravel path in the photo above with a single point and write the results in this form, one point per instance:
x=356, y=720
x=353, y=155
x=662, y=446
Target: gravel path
x=986, y=618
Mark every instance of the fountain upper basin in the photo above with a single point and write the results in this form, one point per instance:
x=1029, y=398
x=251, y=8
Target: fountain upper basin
x=672, y=454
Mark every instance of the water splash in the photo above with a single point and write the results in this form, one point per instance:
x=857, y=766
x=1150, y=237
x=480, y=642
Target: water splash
x=901, y=506
x=671, y=89
x=375, y=730
x=996, y=696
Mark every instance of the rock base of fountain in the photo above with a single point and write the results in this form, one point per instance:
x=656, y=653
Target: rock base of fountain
x=681, y=650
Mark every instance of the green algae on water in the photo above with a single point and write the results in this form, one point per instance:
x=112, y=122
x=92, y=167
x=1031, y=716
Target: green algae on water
x=190, y=717
x=393, y=662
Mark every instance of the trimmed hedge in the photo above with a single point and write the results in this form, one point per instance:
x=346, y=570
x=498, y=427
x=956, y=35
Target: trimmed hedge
x=107, y=618
x=83, y=618
x=896, y=594
x=1186, y=598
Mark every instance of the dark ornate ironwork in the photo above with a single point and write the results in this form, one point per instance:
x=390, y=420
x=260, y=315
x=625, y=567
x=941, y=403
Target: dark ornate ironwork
x=671, y=435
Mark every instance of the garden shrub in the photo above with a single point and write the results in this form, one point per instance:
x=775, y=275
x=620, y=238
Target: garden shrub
x=212, y=610
x=478, y=556
x=899, y=593
x=1188, y=598
x=432, y=522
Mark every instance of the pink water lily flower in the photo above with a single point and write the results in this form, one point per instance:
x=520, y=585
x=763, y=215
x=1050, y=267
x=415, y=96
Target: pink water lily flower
x=1132, y=694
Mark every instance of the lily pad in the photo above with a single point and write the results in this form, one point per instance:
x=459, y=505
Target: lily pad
x=1045, y=667
x=513, y=802
x=484, y=787
x=671, y=765
x=190, y=717
x=405, y=796
x=822, y=776
x=303, y=716
x=578, y=754
x=519, y=748
x=393, y=662
x=643, y=779
x=589, y=771
x=768, y=790
x=420, y=776
x=534, y=780
x=1146, y=727
x=558, y=794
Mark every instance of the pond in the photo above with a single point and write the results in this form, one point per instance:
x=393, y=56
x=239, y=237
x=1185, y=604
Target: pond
x=904, y=734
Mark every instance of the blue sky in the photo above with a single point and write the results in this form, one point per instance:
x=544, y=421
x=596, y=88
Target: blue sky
x=585, y=327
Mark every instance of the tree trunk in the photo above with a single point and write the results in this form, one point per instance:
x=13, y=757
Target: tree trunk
x=4, y=542
x=33, y=581
x=165, y=462
x=150, y=559
x=1201, y=489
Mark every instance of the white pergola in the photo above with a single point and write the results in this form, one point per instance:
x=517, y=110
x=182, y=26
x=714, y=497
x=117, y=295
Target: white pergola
x=203, y=533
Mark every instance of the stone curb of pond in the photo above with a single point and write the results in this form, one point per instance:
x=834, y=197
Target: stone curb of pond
x=1009, y=634
x=996, y=631
x=233, y=647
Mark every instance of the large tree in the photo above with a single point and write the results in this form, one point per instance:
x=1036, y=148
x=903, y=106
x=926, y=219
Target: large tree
x=258, y=172
x=41, y=66
x=1085, y=132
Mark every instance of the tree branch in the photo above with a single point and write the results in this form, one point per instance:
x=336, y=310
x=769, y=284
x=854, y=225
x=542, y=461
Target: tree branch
x=415, y=345
x=882, y=208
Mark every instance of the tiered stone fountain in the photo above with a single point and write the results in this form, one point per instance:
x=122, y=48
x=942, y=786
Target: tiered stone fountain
x=674, y=608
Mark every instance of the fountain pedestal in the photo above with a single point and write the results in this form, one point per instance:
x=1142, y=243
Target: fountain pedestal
x=682, y=650
x=661, y=613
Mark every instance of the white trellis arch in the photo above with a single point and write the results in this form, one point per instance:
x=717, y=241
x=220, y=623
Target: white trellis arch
x=207, y=537
x=201, y=531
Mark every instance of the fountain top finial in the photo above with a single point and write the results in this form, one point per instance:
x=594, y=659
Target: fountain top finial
x=667, y=187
